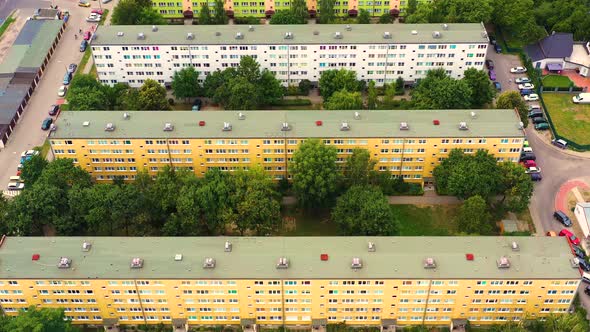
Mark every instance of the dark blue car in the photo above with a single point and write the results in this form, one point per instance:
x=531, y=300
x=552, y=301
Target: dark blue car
x=83, y=46
x=526, y=92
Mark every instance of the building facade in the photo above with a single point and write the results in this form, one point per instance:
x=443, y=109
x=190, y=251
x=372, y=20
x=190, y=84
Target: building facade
x=407, y=144
x=380, y=52
x=294, y=281
x=266, y=8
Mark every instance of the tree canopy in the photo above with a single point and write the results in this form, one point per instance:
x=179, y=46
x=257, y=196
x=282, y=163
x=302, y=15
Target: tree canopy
x=439, y=91
x=205, y=14
x=334, y=80
x=482, y=89
x=136, y=12
x=38, y=320
x=473, y=217
x=344, y=100
x=152, y=96
x=185, y=83
x=363, y=17
x=327, y=13
x=219, y=16
x=513, y=100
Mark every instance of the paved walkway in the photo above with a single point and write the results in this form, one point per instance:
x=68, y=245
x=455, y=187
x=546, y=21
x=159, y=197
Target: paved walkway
x=561, y=196
x=427, y=199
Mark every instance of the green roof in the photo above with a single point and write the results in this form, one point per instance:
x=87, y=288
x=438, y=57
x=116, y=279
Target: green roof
x=257, y=257
x=302, y=124
x=301, y=34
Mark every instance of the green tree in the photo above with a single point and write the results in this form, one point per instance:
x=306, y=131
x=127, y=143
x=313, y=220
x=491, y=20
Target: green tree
x=412, y=6
x=359, y=168
x=385, y=19
x=100, y=217
x=63, y=174
x=439, y=91
x=469, y=11
x=41, y=320
x=127, y=12
x=243, y=95
x=571, y=323
x=482, y=90
x=473, y=217
x=516, y=18
x=516, y=187
x=32, y=169
x=388, y=100
x=185, y=83
x=372, y=96
x=114, y=95
x=344, y=100
x=86, y=99
x=205, y=15
x=363, y=17
x=152, y=96
x=327, y=13
x=513, y=100
x=299, y=8
x=304, y=87
x=220, y=17
x=286, y=17
x=269, y=88
x=399, y=85
x=364, y=210
x=315, y=173
x=335, y=80
x=84, y=81
x=148, y=16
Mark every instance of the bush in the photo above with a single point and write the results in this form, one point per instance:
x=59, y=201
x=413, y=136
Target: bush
x=385, y=19
x=247, y=20
x=293, y=102
x=304, y=87
x=171, y=101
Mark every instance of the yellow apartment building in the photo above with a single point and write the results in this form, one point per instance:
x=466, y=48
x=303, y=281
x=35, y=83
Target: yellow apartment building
x=407, y=144
x=289, y=281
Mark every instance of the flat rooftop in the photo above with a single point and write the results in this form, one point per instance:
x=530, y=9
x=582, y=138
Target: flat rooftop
x=300, y=34
x=257, y=257
x=302, y=124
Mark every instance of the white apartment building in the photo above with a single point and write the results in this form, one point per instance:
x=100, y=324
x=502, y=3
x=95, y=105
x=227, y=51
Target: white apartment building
x=379, y=52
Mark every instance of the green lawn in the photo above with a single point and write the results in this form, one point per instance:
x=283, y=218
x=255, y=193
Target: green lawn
x=571, y=121
x=557, y=81
x=6, y=24
x=314, y=223
x=429, y=220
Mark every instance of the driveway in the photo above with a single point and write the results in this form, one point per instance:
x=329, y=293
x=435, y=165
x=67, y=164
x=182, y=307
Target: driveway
x=28, y=133
x=7, y=6
x=502, y=64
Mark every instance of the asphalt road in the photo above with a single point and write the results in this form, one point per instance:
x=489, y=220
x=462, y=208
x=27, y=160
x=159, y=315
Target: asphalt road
x=28, y=133
x=7, y=6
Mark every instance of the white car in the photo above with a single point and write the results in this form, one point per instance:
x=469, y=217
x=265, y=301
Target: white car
x=93, y=18
x=526, y=86
x=518, y=70
x=531, y=97
x=533, y=170
x=521, y=80
x=29, y=153
x=62, y=91
x=14, y=185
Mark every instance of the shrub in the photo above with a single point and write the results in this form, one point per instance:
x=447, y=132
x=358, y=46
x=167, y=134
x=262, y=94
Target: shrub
x=304, y=87
x=247, y=20
x=293, y=102
x=171, y=101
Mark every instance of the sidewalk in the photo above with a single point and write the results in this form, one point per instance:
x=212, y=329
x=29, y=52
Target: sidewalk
x=429, y=198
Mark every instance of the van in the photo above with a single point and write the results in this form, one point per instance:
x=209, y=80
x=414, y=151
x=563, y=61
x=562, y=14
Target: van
x=559, y=143
x=492, y=74
x=582, y=98
x=527, y=149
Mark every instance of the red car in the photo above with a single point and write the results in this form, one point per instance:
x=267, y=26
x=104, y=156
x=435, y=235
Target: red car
x=97, y=11
x=571, y=238
x=87, y=35
x=529, y=163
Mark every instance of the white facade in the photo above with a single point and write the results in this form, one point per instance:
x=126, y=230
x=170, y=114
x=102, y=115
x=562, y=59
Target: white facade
x=382, y=61
x=582, y=213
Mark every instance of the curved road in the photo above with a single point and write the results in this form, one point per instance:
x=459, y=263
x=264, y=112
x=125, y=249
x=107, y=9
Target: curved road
x=558, y=167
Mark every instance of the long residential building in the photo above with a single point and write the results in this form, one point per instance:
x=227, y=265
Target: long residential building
x=407, y=144
x=378, y=52
x=289, y=281
x=266, y=8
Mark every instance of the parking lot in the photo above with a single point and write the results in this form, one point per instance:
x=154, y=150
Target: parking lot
x=502, y=64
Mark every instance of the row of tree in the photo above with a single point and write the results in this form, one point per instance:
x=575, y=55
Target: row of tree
x=136, y=12
x=86, y=93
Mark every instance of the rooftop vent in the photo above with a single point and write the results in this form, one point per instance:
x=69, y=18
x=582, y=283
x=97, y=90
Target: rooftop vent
x=64, y=263
x=315, y=32
x=209, y=263
x=445, y=26
x=338, y=35
x=226, y=126
x=86, y=123
x=387, y=35
x=319, y=123
x=140, y=36
x=357, y=115
x=126, y=116
x=120, y=34
x=154, y=28
x=137, y=263
x=239, y=35
x=348, y=27
x=436, y=34
x=484, y=34
x=503, y=262
x=250, y=28
x=371, y=246
x=241, y=116
x=283, y=263
x=227, y=247
x=285, y=127
x=520, y=125
x=168, y=127
x=414, y=32
x=178, y=257
x=344, y=126
x=288, y=35
x=436, y=122
x=217, y=33
x=515, y=246
x=201, y=123
x=109, y=127
x=404, y=126
x=86, y=246
x=190, y=36
x=463, y=126
x=473, y=115
x=469, y=257
x=356, y=263
x=429, y=263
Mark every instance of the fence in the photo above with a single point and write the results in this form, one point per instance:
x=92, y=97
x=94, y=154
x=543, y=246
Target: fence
x=561, y=89
x=507, y=48
x=576, y=146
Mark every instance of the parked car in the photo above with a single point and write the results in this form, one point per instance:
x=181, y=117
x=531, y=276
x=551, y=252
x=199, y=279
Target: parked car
x=536, y=176
x=53, y=110
x=532, y=170
x=518, y=70
x=83, y=3
x=527, y=149
x=527, y=156
x=93, y=19
x=106, y=1
x=521, y=80
x=571, y=238
x=490, y=64
x=526, y=92
x=562, y=218
x=67, y=78
x=587, y=290
x=15, y=185
x=559, y=143
x=526, y=86
x=579, y=252
x=46, y=123
x=542, y=126
x=531, y=97
x=197, y=104
x=497, y=48
x=529, y=163
x=525, y=143
x=87, y=35
x=72, y=68
x=535, y=113
x=83, y=45
x=539, y=119
x=582, y=263
x=492, y=39
x=535, y=107
x=61, y=92
x=551, y=233
x=492, y=74
x=29, y=153
x=96, y=11
x=498, y=86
